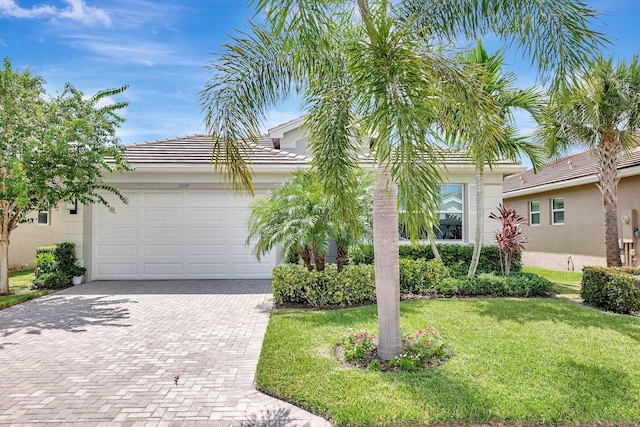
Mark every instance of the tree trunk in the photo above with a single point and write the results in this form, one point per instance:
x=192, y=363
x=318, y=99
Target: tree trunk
x=318, y=259
x=4, y=263
x=434, y=246
x=477, y=248
x=341, y=255
x=386, y=260
x=607, y=152
x=305, y=254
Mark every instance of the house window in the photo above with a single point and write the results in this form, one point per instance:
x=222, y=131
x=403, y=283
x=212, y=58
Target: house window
x=557, y=211
x=534, y=213
x=43, y=217
x=451, y=213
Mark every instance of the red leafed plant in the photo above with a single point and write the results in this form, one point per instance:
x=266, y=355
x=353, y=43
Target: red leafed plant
x=510, y=238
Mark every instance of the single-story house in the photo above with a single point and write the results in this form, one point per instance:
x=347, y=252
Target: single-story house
x=182, y=222
x=564, y=210
x=44, y=230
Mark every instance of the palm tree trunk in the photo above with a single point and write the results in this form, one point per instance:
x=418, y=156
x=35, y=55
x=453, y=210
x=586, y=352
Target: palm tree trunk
x=387, y=269
x=477, y=248
x=305, y=254
x=607, y=152
x=341, y=255
x=318, y=258
x=434, y=246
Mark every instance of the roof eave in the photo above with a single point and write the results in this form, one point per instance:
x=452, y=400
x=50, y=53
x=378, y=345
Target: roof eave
x=588, y=179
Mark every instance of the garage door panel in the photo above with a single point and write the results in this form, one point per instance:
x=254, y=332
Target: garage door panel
x=121, y=216
x=118, y=233
x=119, y=250
x=162, y=268
x=116, y=269
x=162, y=250
x=162, y=215
x=164, y=233
x=197, y=234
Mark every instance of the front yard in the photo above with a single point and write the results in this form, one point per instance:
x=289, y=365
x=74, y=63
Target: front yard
x=544, y=361
x=20, y=288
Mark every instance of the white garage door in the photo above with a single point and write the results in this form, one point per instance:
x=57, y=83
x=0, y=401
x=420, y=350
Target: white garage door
x=190, y=234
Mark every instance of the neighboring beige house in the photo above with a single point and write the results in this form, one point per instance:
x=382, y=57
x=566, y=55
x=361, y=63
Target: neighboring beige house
x=182, y=222
x=45, y=230
x=564, y=210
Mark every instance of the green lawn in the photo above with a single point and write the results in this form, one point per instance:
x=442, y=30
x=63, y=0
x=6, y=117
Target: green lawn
x=19, y=286
x=516, y=361
x=567, y=283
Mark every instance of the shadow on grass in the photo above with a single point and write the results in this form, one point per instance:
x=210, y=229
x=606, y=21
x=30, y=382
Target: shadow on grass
x=558, y=310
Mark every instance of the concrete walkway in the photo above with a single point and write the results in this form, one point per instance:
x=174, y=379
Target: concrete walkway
x=140, y=353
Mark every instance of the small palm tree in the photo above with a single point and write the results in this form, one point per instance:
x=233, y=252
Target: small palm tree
x=298, y=216
x=496, y=142
x=600, y=112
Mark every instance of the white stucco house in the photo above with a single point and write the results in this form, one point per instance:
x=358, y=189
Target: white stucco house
x=182, y=222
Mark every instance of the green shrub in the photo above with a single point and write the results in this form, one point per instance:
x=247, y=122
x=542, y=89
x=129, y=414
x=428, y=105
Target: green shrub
x=456, y=257
x=516, y=285
x=66, y=257
x=295, y=284
x=420, y=276
x=45, y=263
x=55, y=263
x=55, y=280
x=360, y=254
x=612, y=289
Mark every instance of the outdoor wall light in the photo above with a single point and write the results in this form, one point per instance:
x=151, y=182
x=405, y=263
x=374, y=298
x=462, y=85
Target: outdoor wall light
x=72, y=206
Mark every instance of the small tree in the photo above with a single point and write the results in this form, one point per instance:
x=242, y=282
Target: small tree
x=52, y=149
x=510, y=238
x=300, y=217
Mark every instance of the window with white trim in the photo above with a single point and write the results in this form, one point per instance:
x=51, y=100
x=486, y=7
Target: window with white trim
x=43, y=217
x=557, y=211
x=450, y=215
x=534, y=213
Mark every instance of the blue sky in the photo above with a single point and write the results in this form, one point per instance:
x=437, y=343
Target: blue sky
x=160, y=49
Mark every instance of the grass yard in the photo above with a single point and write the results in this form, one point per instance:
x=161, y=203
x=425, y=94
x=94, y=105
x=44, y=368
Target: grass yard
x=567, y=283
x=19, y=286
x=516, y=361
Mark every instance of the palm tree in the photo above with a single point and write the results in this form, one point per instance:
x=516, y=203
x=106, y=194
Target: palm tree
x=301, y=218
x=375, y=69
x=600, y=112
x=500, y=142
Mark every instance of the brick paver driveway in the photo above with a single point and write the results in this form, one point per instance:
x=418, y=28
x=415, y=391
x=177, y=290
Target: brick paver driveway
x=140, y=353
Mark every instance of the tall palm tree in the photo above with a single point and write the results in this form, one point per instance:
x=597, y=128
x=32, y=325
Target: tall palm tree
x=600, y=112
x=374, y=68
x=499, y=142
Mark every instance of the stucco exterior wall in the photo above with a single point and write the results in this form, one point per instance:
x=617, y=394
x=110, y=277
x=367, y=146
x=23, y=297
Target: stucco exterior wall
x=580, y=240
x=27, y=237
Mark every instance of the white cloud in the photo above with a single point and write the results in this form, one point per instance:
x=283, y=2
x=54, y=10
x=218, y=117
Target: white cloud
x=76, y=10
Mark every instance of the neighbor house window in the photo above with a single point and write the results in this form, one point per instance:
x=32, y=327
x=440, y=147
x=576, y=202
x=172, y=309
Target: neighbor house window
x=43, y=217
x=534, y=213
x=557, y=211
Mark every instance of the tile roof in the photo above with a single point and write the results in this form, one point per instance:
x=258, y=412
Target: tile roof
x=196, y=149
x=450, y=158
x=576, y=166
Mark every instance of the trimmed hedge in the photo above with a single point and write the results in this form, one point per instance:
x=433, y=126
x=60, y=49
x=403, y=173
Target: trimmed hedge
x=612, y=289
x=455, y=257
x=292, y=283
